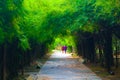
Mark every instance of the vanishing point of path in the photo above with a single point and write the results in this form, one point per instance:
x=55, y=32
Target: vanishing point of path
x=62, y=66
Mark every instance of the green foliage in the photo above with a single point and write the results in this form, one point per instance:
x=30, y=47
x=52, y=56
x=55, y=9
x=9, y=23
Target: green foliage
x=64, y=40
x=24, y=44
x=106, y=12
x=43, y=20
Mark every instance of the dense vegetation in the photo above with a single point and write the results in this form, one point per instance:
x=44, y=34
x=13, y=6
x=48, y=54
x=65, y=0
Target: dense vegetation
x=29, y=28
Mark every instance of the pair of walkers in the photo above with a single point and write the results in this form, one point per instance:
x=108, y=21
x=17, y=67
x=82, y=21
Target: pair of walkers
x=64, y=49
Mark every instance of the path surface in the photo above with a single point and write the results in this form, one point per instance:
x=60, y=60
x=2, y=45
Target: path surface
x=63, y=67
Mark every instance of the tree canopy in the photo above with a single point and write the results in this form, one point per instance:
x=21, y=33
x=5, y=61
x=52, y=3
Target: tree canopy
x=44, y=19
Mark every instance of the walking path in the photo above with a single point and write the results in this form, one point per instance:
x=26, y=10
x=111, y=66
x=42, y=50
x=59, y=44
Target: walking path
x=62, y=66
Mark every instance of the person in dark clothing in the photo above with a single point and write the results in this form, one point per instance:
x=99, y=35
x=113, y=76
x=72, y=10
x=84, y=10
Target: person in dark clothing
x=62, y=48
x=65, y=48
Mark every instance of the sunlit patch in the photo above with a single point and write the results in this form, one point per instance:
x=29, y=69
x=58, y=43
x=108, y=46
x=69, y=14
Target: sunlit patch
x=60, y=54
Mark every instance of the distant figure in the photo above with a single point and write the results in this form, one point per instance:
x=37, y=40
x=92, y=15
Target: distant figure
x=65, y=48
x=62, y=48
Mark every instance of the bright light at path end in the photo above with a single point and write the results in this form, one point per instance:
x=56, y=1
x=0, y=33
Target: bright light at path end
x=59, y=54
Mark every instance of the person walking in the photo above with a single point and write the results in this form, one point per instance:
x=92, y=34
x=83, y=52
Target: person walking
x=62, y=49
x=65, y=49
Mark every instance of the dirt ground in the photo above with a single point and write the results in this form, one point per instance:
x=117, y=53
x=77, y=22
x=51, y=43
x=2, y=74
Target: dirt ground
x=101, y=72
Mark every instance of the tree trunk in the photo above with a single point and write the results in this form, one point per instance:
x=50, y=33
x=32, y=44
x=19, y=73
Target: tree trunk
x=116, y=54
x=4, y=62
x=108, y=49
x=23, y=61
x=101, y=54
x=92, y=50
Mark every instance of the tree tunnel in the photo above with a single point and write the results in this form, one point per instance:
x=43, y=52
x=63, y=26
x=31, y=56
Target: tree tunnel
x=31, y=28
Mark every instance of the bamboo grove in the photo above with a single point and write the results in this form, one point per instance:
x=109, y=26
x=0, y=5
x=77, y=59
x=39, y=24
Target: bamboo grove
x=28, y=29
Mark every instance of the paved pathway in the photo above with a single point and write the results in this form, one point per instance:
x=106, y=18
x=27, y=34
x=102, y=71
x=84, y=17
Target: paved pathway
x=63, y=67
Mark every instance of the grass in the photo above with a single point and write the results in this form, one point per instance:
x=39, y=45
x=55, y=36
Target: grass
x=74, y=55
